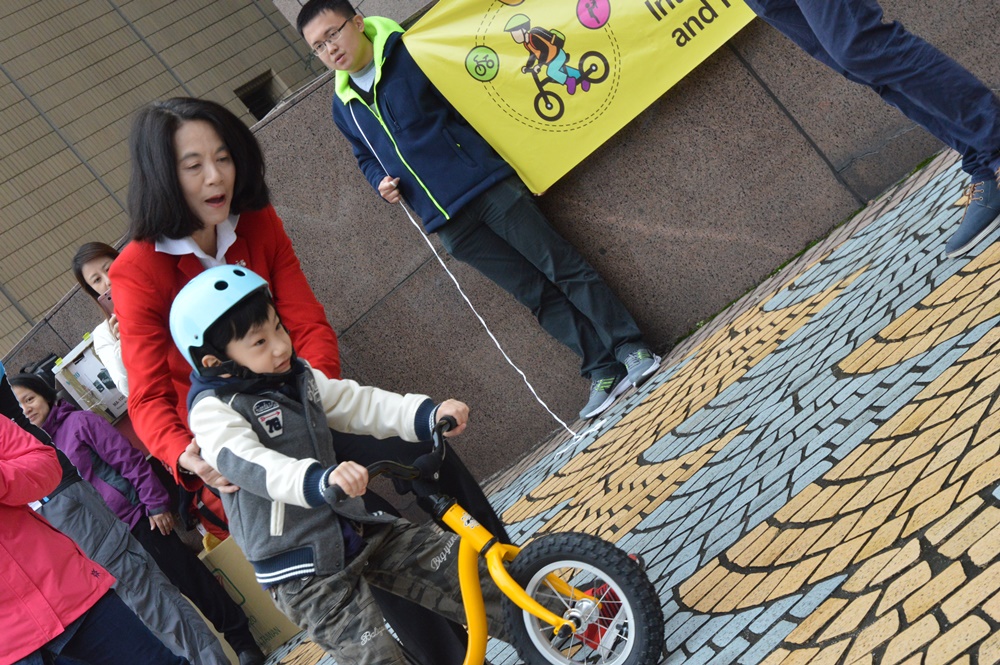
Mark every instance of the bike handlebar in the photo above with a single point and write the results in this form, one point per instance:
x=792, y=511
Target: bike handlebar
x=424, y=467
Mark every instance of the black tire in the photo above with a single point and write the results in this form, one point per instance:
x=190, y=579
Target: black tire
x=626, y=631
x=594, y=66
x=549, y=106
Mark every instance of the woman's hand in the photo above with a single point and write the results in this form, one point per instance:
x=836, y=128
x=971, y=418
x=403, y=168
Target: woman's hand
x=113, y=325
x=351, y=477
x=457, y=410
x=164, y=522
x=192, y=460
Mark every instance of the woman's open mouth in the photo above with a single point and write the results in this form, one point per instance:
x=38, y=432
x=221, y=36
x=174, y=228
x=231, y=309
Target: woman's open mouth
x=216, y=201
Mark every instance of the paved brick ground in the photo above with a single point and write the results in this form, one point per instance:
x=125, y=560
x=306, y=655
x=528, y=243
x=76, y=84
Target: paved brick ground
x=812, y=477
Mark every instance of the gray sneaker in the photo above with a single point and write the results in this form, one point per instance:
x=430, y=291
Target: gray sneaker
x=603, y=392
x=640, y=365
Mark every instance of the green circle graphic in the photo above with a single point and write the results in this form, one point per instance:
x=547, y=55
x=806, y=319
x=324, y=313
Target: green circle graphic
x=482, y=63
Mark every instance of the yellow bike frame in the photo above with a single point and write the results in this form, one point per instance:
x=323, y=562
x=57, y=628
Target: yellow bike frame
x=474, y=538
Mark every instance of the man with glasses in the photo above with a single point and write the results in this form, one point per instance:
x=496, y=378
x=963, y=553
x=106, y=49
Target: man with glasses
x=411, y=144
x=931, y=89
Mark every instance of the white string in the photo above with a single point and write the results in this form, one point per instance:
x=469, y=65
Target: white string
x=465, y=297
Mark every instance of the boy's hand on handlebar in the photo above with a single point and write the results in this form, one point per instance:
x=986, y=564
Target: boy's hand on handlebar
x=351, y=477
x=457, y=410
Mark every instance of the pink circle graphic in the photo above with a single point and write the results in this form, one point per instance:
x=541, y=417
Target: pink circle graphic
x=593, y=14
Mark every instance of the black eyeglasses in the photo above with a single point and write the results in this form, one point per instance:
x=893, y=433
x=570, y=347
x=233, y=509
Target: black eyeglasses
x=330, y=39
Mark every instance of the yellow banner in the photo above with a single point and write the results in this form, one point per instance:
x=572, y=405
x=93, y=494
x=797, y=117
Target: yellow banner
x=548, y=81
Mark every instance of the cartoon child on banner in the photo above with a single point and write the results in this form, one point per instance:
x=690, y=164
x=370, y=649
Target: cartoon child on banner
x=545, y=47
x=548, y=61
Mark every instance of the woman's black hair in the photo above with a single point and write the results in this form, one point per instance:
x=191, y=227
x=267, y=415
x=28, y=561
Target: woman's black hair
x=35, y=384
x=87, y=253
x=156, y=205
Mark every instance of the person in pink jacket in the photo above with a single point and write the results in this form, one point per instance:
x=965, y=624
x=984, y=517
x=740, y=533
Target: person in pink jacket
x=53, y=599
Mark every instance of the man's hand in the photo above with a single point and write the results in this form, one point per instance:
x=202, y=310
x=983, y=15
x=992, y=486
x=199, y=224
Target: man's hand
x=164, y=522
x=389, y=189
x=457, y=410
x=192, y=460
x=351, y=477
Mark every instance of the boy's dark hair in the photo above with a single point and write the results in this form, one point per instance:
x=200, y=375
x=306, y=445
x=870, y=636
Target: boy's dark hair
x=156, y=205
x=314, y=8
x=253, y=310
x=35, y=384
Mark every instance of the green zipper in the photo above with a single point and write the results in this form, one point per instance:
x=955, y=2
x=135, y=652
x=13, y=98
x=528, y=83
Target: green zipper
x=378, y=116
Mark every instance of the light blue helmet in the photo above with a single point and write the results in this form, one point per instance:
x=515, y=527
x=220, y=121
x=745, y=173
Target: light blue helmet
x=202, y=302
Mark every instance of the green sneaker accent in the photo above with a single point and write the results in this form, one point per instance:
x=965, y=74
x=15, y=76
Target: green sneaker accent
x=640, y=366
x=603, y=392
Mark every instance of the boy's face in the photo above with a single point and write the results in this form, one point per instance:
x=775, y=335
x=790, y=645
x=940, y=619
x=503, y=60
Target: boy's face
x=339, y=42
x=266, y=348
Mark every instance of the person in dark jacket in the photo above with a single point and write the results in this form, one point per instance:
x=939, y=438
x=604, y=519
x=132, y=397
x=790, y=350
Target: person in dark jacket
x=127, y=484
x=411, y=144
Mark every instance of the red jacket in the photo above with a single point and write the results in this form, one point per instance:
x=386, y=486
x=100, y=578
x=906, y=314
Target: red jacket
x=46, y=582
x=145, y=284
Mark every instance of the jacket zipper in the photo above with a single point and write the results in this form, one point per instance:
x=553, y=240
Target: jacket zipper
x=378, y=116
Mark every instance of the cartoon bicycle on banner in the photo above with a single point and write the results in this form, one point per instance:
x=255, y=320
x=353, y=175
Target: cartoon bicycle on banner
x=545, y=48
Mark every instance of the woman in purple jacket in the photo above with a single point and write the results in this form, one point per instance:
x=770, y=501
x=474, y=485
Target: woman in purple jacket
x=128, y=484
x=105, y=458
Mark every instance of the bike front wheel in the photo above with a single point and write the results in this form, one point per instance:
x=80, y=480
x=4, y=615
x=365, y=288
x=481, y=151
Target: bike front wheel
x=594, y=66
x=620, y=619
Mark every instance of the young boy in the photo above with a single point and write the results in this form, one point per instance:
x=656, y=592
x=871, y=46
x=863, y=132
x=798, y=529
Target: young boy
x=411, y=144
x=262, y=419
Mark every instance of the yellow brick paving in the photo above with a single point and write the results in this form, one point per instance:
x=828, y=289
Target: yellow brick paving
x=814, y=477
x=723, y=359
x=922, y=483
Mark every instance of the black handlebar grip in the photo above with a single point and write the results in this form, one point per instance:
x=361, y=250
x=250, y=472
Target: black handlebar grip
x=335, y=494
x=446, y=423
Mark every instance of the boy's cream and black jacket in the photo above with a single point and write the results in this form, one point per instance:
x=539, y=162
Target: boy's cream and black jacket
x=275, y=444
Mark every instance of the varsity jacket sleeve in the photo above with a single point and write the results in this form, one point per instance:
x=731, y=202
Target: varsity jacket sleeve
x=28, y=468
x=230, y=445
x=356, y=409
x=121, y=456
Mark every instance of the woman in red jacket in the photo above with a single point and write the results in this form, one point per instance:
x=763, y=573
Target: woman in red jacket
x=53, y=599
x=197, y=199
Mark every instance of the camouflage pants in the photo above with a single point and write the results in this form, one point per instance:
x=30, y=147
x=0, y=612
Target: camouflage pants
x=418, y=562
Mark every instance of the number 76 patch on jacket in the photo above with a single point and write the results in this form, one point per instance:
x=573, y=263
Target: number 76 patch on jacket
x=268, y=414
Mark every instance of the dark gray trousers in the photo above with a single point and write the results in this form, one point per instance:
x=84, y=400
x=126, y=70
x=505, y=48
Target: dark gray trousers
x=504, y=235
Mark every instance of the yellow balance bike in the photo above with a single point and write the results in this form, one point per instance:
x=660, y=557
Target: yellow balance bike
x=573, y=598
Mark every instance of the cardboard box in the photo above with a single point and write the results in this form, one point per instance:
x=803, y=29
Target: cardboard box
x=86, y=379
x=269, y=626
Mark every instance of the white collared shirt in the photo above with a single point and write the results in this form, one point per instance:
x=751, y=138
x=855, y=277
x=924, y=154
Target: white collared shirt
x=225, y=236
